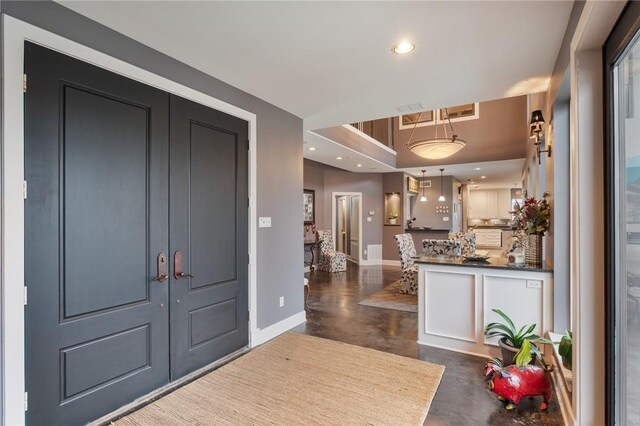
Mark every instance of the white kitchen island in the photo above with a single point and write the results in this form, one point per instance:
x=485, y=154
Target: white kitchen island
x=455, y=298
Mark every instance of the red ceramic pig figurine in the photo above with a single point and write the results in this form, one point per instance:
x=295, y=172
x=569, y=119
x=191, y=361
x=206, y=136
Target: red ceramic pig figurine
x=512, y=384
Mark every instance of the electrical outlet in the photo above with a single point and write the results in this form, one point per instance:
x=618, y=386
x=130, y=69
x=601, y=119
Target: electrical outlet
x=264, y=222
x=534, y=284
x=281, y=301
x=365, y=252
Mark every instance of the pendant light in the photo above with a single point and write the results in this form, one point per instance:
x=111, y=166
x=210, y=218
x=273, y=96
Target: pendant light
x=424, y=197
x=441, y=198
x=436, y=148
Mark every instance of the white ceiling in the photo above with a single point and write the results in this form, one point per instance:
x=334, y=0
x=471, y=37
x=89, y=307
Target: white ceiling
x=330, y=62
x=498, y=174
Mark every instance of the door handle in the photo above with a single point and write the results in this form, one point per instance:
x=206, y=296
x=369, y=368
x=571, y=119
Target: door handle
x=162, y=268
x=177, y=266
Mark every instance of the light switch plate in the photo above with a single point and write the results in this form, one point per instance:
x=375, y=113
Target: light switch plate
x=264, y=222
x=369, y=219
x=445, y=219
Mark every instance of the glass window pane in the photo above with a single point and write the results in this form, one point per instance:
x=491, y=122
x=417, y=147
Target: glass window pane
x=628, y=240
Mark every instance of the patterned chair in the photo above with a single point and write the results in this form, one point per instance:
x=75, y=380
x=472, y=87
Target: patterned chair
x=409, y=277
x=467, y=241
x=441, y=247
x=330, y=260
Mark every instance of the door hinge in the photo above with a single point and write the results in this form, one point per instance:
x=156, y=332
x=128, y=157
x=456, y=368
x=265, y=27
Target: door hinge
x=24, y=83
x=248, y=258
x=26, y=401
x=248, y=144
x=24, y=189
x=24, y=298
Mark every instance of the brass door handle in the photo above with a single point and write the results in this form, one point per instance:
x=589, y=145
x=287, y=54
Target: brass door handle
x=162, y=268
x=177, y=266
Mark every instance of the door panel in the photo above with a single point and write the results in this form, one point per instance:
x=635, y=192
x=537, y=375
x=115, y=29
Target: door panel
x=96, y=161
x=208, y=211
x=94, y=175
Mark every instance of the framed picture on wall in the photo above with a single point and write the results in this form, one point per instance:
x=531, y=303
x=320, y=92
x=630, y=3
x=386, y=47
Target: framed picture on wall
x=309, y=202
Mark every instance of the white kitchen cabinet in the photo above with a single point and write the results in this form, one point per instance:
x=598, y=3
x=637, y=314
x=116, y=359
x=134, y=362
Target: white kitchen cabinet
x=477, y=204
x=504, y=203
x=492, y=204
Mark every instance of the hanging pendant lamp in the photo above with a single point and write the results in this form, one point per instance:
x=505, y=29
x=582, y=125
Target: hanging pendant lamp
x=436, y=148
x=424, y=197
x=441, y=198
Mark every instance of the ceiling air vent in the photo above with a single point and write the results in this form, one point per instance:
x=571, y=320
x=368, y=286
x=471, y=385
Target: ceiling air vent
x=403, y=109
x=425, y=184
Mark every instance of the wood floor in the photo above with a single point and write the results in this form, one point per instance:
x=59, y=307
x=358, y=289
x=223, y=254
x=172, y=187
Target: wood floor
x=462, y=398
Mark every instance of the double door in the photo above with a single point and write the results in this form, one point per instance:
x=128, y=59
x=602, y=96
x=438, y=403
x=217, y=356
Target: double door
x=135, y=238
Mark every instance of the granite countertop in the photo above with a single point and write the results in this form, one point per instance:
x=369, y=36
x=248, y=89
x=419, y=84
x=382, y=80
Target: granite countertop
x=426, y=230
x=493, y=263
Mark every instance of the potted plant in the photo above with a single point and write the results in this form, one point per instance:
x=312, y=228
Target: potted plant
x=392, y=218
x=565, y=349
x=533, y=217
x=511, y=338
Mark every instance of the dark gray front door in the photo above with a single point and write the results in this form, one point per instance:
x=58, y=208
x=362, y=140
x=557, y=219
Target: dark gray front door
x=209, y=310
x=98, y=151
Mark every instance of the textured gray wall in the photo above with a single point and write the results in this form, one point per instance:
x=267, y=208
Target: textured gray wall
x=279, y=149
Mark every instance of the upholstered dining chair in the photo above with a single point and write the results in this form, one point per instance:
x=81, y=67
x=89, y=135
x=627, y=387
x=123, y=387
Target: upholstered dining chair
x=330, y=260
x=409, y=276
x=441, y=247
x=467, y=241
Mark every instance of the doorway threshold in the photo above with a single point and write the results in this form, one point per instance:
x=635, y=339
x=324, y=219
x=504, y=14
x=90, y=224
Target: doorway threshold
x=156, y=394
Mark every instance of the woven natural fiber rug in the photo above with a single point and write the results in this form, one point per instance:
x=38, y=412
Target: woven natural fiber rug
x=302, y=380
x=391, y=298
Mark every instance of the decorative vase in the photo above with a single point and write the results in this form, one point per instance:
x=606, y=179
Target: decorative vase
x=392, y=221
x=533, y=250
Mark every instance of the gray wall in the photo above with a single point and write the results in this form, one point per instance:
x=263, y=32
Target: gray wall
x=326, y=179
x=279, y=150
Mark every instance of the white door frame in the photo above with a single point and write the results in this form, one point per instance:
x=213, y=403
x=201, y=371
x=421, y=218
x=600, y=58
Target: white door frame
x=15, y=33
x=334, y=219
x=587, y=209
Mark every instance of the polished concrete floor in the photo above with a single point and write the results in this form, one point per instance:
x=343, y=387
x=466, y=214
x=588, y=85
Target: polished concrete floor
x=462, y=398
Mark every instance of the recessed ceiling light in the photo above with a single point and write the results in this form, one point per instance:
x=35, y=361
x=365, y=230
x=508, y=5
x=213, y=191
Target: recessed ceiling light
x=312, y=148
x=483, y=177
x=338, y=158
x=477, y=168
x=403, y=48
x=358, y=165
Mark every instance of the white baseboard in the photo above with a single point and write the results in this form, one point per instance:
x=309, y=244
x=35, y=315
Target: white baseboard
x=372, y=262
x=391, y=262
x=265, y=334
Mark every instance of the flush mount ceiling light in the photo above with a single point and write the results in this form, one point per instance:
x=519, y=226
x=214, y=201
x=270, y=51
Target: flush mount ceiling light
x=436, y=148
x=403, y=48
x=441, y=198
x=424, y=197
x=312, y=148
x=483, y=177
x=477, y=168
x=358, y=165
x=338, y=158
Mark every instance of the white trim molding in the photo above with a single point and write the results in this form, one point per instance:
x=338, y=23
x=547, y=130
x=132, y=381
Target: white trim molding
x=15, y=33
x=265, y=334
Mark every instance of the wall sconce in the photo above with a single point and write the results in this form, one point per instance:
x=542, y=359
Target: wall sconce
x=537, y=122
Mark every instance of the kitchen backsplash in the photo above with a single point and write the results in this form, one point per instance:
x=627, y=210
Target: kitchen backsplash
x=489, y=222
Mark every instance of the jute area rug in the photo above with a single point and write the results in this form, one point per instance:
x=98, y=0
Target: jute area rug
x=302, y=380
x=391, y=298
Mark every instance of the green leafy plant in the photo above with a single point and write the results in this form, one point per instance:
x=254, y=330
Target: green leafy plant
x=530, y=349
x=512, y=336
x=565, y=349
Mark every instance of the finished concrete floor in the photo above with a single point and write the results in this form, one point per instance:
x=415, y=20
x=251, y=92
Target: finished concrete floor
x=462, y=398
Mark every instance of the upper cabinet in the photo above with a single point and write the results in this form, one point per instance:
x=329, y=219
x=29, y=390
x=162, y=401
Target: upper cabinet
x=489, y=204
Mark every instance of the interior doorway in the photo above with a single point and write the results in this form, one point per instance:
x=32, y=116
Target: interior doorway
x=346, y=224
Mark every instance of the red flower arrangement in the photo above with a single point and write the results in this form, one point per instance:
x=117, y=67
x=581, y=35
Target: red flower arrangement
x=533, y=215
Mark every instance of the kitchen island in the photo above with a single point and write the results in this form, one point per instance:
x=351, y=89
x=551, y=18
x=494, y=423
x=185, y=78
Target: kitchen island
x=455, y=299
